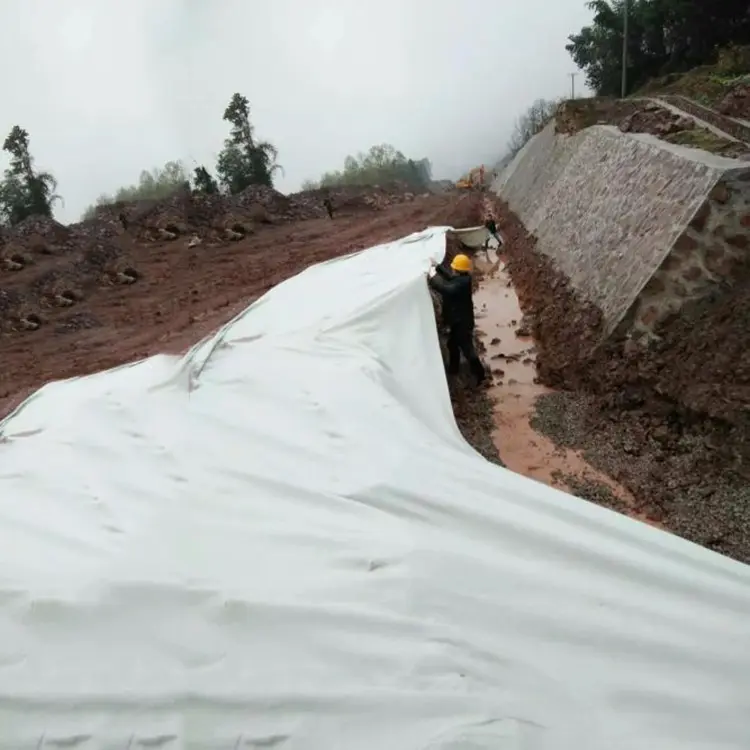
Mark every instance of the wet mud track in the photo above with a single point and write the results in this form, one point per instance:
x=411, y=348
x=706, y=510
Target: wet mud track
x=510, y=355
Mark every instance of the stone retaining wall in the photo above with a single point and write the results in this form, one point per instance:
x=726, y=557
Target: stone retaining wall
x=713, y=249
x=610, y=208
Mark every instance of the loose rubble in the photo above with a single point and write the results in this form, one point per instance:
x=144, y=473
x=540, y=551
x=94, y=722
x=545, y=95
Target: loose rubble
x=45, y=265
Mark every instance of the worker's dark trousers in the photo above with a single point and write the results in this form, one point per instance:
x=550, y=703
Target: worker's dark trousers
x=461, y=341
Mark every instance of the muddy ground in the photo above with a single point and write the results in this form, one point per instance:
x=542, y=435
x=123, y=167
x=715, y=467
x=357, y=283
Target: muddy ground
x=671, y=424
x=83, y=303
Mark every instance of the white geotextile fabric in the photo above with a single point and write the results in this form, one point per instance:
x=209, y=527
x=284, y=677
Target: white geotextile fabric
x=281, y=540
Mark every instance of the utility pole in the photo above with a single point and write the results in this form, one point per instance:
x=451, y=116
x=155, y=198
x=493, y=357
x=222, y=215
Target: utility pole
x=624, y=90
x=572, y=85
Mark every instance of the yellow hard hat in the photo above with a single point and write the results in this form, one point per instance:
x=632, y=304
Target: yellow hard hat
x=461, y=263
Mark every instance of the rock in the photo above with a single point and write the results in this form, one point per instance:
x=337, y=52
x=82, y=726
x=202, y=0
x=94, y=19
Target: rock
x=30, y=323
x=165, y=234
x=260, y=214
x=737, y=102
x=127, y=276
x=661, y=434
x=61, y=300
x=233, y=236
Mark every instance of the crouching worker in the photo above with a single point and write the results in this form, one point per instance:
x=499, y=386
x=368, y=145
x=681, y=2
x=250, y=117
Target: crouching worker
x=458, y=313
x=491, y=227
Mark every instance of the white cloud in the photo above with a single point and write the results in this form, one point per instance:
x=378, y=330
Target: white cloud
x=107, y=88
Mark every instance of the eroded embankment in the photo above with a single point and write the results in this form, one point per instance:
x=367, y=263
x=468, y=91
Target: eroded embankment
x=669, y=422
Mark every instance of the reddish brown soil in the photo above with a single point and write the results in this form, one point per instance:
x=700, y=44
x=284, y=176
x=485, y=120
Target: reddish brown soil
x=92, y=296
x=639, y=116
x=671, y=423
x=737, y=102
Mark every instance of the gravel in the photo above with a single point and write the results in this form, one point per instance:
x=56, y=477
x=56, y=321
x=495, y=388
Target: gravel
x=675, y=475
x=591, y=490
x=473, y=409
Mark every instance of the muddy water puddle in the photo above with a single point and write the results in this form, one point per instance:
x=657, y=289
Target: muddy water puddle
x=510, y=354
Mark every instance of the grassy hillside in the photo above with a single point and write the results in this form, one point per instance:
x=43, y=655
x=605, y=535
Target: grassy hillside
x=709, y=84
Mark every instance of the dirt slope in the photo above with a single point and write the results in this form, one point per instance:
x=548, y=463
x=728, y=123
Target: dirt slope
x=74, y=300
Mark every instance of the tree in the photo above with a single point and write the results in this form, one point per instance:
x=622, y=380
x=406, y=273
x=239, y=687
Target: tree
x=204, y=182
x=530, y=123
x=25, y=191
x=244, y=161
x=664, y=36
x=152, y=185
x=380, y=165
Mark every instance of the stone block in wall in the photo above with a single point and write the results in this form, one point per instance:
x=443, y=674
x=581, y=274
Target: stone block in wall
x=610, y=208
x=713, y=249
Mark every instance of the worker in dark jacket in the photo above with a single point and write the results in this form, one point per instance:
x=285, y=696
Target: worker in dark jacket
x=455, y=290
x=491, y=227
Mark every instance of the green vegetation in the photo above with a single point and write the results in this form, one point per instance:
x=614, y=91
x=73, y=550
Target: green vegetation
x=704, y=85
x=152, y=185
x=696, y=48
x=380, y=165
x=244, y=161
x=24, y=191
x=530, y=123
x=665, y=37
x=703, y=139
x=204, y=181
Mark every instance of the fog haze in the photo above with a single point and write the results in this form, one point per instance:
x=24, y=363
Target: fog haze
x=107, y=88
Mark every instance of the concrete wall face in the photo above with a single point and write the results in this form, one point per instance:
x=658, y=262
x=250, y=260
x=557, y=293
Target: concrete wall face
x=712, y=249
x=530, y=176
x=608, y=207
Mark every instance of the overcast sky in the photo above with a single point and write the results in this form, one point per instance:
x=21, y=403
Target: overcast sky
x=109, y=87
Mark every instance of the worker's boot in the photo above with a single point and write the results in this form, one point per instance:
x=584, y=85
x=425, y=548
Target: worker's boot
x=477, y=369
x=454, y=354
